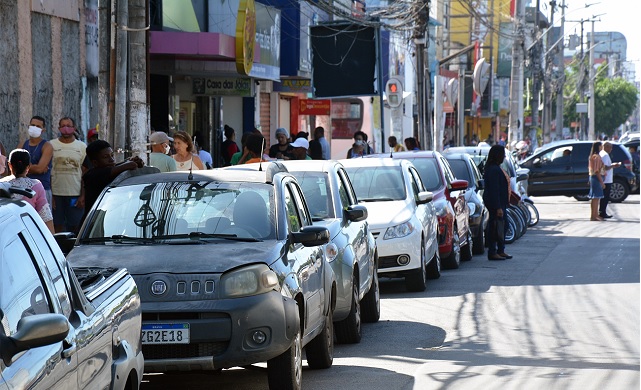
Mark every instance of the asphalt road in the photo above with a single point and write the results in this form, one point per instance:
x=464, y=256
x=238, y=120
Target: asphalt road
x=563, y=314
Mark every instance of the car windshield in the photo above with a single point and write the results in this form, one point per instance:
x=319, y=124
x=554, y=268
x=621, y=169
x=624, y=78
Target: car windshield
x=430, y=174
x=175, y=211
x=315, y=187
x=459, y=167
x=374, y=184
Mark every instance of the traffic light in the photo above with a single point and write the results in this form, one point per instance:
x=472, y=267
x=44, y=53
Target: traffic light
x=394, y=92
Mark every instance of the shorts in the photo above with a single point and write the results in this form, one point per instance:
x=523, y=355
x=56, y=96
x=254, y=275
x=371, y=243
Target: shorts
x=66, y=213
x=596, y=192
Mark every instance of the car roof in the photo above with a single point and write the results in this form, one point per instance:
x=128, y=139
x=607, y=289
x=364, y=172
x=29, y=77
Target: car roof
x=412, y=154
x=457, y=156
x=144, y=175
x=375, y=161
x=310, y=165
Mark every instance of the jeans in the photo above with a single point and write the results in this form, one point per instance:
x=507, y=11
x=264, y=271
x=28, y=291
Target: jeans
x=495, y=247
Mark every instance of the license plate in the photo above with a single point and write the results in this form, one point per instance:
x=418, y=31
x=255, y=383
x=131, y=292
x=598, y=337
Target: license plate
x=165, y=333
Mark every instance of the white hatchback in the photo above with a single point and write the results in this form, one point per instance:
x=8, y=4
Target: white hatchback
x=401, y=218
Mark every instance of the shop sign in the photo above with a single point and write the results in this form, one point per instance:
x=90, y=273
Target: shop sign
x=294, y=86
x=245, y=36
x=222, y=86
x=268, y=38
x=91, y=37
x=315, y=106
x=504, y=66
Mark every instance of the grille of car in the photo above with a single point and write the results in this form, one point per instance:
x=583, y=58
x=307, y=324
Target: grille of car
x=179, y=351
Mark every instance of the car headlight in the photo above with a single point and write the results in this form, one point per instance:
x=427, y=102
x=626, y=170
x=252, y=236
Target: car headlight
x=331, y=251
x=398, y=231
x=472, y=208
x=251, y=280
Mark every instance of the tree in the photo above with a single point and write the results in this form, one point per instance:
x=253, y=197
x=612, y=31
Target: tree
x=615, y=99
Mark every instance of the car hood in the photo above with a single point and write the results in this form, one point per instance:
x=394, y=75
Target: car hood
x=211, y=257
x=384, y=214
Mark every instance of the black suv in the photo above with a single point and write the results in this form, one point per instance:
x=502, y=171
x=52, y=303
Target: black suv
x=562, y=169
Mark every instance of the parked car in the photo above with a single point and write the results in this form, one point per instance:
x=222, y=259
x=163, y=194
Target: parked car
x=230, y=269
x=351, y=252
x=62, y=327
x=464, y=168
x=454, y=234
x=562, y=169
x=401, y=217
x=634, y=142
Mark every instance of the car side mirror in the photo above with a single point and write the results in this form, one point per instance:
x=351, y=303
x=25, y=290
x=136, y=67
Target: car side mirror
x=311, y=236
x=355, y=213
x=522, y=177
x=481, y=184
x=424, y=197
x=458, y=185
x=66, y=241
x=536, y=162
x=34, y=331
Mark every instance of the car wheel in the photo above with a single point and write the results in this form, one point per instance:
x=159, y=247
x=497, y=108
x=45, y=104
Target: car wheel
x=286, y=370
x=466, y=251
x=371, y=303
x=417, y=280
x=479, y=242
x=348, y=331
x=434, y=266
x=453, y=261
x=581, y=198
x=320, y=351
x=618, y=191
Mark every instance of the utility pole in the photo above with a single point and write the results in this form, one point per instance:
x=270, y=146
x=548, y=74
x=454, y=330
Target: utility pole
x=591, y=113
x=547, y=109
x=582, y=84
x=536, y=74
x=514, y=133
x=561, y=77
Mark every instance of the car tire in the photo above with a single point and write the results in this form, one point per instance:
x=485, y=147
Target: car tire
x=348, y=331
x=618, y=191
x=581, y=198
x=320, y=351
x=417, y=280
x=371, y=303
x=286, y=370
x=466, y=251
x=479, y=242
x=453, y=261
x=434, y=266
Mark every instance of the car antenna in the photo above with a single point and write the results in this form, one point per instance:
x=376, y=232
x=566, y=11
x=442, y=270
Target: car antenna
x=260, y=163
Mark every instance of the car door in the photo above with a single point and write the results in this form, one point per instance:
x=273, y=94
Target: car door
x=356, y=232
x=551, y=171
x=309, y=260
x=25, y=294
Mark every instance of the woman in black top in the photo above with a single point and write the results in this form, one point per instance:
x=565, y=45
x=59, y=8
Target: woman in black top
x=282, y=150
x=496, y=199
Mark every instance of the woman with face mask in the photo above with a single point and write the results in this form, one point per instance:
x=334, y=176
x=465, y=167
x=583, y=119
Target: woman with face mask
x=160, y=156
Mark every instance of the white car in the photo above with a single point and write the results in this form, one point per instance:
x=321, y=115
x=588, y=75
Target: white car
x=401, y=217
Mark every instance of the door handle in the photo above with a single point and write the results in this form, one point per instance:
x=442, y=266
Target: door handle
x=67, y=353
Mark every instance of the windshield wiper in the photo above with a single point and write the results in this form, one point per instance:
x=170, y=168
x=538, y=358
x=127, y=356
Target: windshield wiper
x=118, y=238
x=198, y=235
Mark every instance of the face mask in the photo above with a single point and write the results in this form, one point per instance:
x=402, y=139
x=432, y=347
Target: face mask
x=167, y=149
x=34, y=131
x=66, y=130
x=360, y=142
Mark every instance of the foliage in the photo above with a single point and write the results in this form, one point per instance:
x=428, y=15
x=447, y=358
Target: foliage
x=615, y=99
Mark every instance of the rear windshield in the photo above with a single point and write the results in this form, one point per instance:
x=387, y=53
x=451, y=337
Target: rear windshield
x=179, y=208
x=373, y=184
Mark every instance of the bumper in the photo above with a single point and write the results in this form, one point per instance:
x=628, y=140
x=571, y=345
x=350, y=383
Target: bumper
x=221, y=332
x=390, y=250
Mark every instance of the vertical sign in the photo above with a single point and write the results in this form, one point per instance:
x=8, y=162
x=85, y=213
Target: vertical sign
x=91, y=37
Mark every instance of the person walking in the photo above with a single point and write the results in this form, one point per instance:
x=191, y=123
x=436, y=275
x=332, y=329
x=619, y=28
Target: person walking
x=595, y=170
x=608, y=165
x=41, y=154
x=19, y=165
x=496, y=199
x=319, y=135
x=66, y=178
x=160, y=152
x=185, y=158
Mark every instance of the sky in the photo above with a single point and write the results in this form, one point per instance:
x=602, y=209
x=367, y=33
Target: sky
x=622, y=16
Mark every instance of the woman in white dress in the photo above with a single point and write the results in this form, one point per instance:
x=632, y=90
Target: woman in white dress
x=185, y=157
